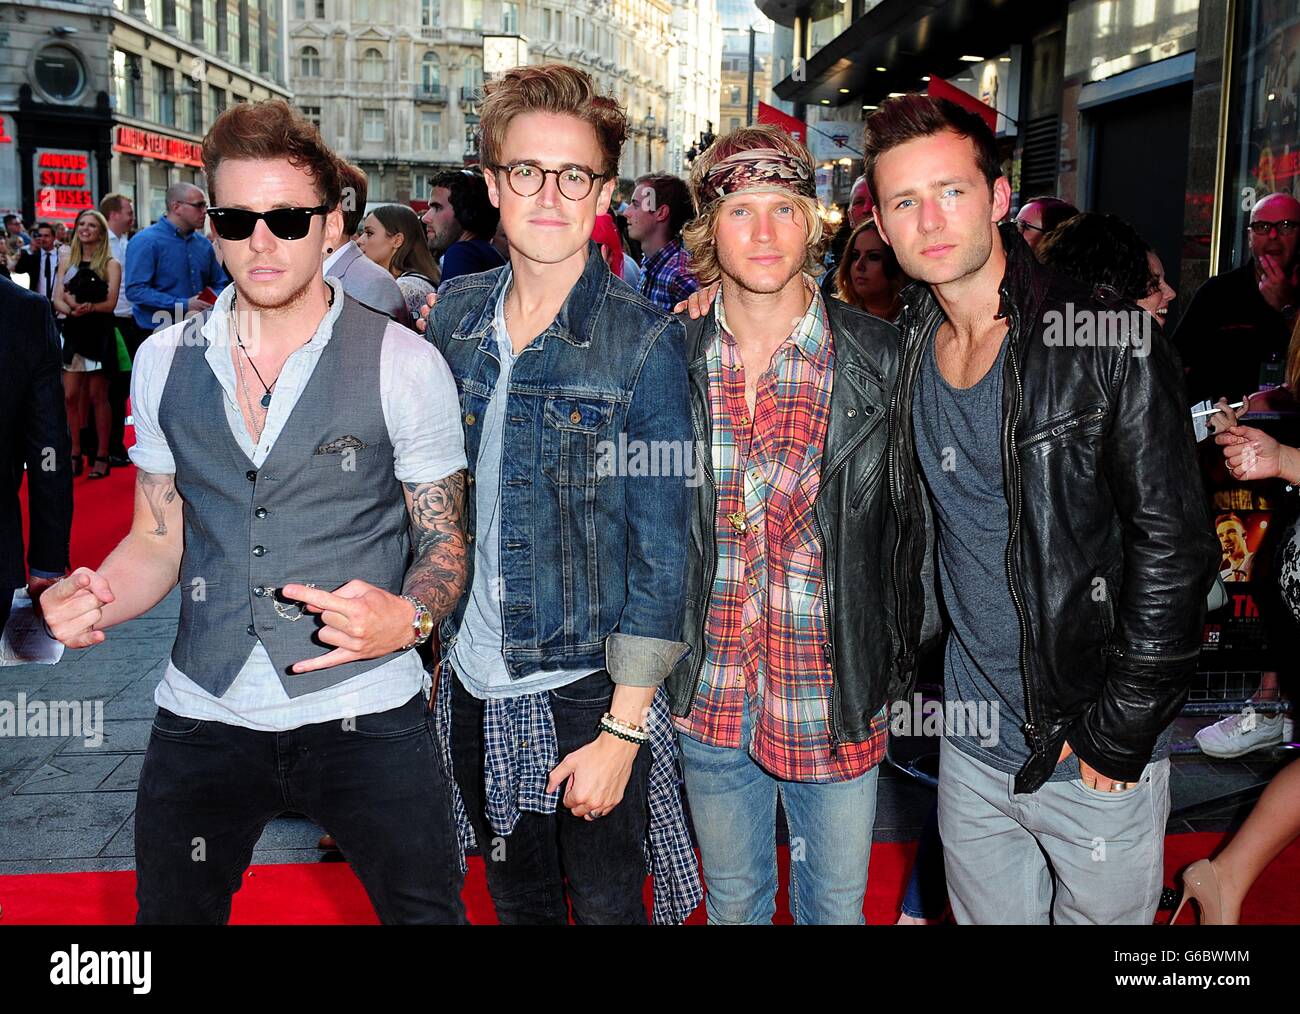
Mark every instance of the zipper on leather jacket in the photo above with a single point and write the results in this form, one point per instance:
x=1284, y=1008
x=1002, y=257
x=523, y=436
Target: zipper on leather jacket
x=1061, y=428
x=907, y=371
x=1185, y=656
x=1031, y=728
x=828, y=648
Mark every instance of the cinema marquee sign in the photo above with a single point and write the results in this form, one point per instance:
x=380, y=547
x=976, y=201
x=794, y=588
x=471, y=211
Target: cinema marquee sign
x=133, y=141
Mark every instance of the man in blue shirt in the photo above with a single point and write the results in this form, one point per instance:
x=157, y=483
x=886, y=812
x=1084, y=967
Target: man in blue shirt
x=170, y=263
x=460, y=224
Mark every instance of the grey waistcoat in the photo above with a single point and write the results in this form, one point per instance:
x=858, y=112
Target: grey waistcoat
x=323, y=518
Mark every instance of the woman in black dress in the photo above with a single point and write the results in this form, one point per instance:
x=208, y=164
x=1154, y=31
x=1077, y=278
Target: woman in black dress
x=86, y=291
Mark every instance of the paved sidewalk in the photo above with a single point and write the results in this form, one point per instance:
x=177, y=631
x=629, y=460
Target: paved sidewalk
x=67, y=806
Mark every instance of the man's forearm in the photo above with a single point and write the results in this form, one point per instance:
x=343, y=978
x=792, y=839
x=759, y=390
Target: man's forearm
x=437, y=512
x=141, y=574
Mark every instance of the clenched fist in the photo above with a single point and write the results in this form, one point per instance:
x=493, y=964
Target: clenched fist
x=74, y=606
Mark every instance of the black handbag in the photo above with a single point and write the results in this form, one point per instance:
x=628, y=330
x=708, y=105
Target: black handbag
x=86, y=286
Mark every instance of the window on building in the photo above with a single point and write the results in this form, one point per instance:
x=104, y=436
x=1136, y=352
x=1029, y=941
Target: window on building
x=421, y=186
x=430, y=131
x=311, y=114
x=205, y=32
x=372, y=65
x=431, y=74
x=216, y=100
x=548, y=27
x=430, y=13
x=473, y=75
x=234, y=36
x=372, y=125
x=735, y=95
x=165, y=82
x=309, y=62
x=510, y=18
x=300, y=9
x=472, y=14
x=735, y=123
x=361, y=10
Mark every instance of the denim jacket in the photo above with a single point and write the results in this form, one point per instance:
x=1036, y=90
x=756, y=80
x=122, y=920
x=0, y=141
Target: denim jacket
x=593, y=533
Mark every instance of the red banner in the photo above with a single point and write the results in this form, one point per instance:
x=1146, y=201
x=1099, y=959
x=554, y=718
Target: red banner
x=941, y=89
x=795, y=128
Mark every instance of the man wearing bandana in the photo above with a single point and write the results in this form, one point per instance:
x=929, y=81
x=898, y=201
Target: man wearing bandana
x=789, y=613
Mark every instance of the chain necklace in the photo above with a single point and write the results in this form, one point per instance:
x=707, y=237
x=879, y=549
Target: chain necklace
x=234, y=323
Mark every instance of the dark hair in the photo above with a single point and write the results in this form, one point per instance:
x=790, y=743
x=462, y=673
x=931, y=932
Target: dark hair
x=671, y=191
x=1100, y=250
x=11, y=217
x=911, y=116
x=844, y=268
x=45, y=225
x=549, y=88
x=355, y=190
x=271, y=130
x=1052, y=210
x=413, y=254
x=468, y=195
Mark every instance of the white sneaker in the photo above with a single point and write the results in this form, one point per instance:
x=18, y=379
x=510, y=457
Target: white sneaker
x=1240, y=734
x=1288, y=729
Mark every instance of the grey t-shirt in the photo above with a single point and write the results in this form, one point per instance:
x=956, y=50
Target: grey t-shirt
x=959, y=442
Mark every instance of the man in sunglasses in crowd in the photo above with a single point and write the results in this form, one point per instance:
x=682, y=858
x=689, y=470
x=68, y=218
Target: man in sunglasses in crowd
x=1239, y=323
x=171, y=269
x=560, y=740
x=301, y=474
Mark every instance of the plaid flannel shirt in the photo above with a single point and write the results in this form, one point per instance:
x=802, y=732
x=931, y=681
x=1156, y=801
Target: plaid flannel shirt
x=767, y=626
x=515, y=780
x=666, y=278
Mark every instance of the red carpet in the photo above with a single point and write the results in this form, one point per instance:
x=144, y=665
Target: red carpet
x=329, y=893
x=101, y=513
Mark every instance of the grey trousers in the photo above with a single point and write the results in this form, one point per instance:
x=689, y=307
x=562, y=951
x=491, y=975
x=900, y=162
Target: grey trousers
x=1066, y=854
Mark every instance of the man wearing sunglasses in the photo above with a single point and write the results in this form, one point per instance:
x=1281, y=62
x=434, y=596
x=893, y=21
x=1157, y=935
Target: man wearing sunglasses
x=302, y=478
x=560, y=740
x=1233, y=337
x=170, y=265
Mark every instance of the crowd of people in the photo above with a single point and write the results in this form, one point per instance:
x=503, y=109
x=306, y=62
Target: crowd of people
x=872, y=455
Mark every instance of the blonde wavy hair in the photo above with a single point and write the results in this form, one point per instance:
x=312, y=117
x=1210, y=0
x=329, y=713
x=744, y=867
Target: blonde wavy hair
x=700, y=236
x=99, y=263
x=1293, y=360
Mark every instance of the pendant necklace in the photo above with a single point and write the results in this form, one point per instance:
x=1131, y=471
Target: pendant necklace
x=266, y=398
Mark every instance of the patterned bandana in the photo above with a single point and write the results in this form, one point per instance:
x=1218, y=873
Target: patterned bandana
x=757, y=170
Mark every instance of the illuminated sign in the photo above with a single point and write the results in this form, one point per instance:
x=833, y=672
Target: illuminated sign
x=65, y=183
x=133, y=141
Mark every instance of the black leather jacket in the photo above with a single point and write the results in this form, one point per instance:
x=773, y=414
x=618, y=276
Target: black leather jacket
x=1111, y=552
x=852, y=513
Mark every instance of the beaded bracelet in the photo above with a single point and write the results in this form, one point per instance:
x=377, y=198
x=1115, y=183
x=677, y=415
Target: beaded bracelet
x=615, y=727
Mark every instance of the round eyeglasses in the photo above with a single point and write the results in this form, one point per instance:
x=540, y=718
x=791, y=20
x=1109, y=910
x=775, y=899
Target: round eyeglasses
x=527, y=180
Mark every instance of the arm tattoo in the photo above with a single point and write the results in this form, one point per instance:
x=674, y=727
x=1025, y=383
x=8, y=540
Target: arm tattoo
x=160, y=492
x=437, y=575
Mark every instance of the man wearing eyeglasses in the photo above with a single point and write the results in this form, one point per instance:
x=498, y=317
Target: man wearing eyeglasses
x=560, y=739
x=171, y=267
x=301, y=477
x=1233, y=336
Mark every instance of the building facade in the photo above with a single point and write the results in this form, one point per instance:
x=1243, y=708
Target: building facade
x=116, y=97
x=395, y=84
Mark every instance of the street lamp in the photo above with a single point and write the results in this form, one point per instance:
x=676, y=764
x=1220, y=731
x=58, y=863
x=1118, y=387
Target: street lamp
x=648, y=124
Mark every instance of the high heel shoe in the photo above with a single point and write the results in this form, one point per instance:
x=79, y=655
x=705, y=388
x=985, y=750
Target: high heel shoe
x=1201, y=881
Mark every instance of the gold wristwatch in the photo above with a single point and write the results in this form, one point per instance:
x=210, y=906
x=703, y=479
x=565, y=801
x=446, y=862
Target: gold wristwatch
x=421, y=626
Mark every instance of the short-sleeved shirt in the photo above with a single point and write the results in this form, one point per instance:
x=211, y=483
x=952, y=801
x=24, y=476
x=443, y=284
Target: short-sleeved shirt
x=421, y=410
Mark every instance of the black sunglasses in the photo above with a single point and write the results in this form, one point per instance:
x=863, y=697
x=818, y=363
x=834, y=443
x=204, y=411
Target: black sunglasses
x=284, y=223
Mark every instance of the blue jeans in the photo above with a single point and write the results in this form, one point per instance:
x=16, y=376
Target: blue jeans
x=733, y=807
